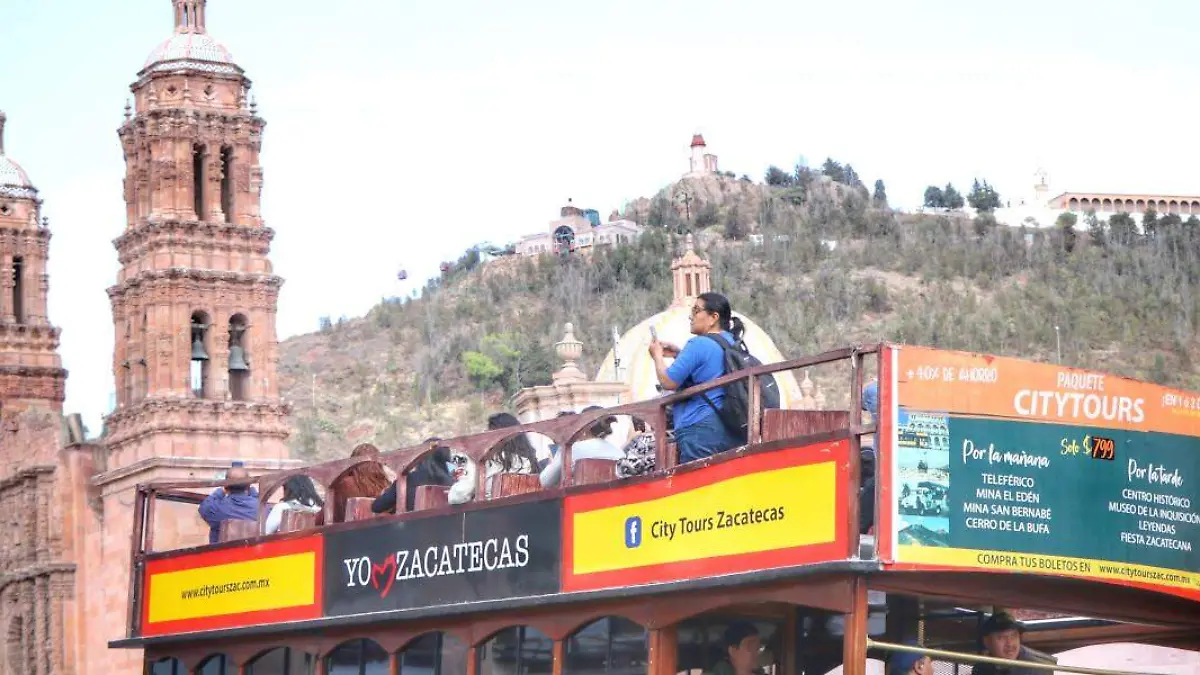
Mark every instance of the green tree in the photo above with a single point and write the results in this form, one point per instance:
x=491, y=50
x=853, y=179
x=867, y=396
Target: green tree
x=777, y=177
x=934, y=198
x=835, y=171
x=983, y=197
x=1095, y=228
x=984, y=223
x=707, y=215
x=850, y=177
x=1122, y=229
x=734, y=230
x=481, y=370
x=951, y=197
x=879, y=197
x=1150, y=222
x=1065, y=223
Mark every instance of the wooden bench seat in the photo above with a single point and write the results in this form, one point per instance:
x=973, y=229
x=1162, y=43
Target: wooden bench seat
x=778, y=424
x=509, y=484
x=295, y=521
x=589, y=471
x=359, y=508
x=233, y=530
x=431, y=497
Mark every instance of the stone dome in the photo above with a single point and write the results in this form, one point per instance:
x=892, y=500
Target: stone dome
x=14, y=182
x=674, y=326
x=198, y=51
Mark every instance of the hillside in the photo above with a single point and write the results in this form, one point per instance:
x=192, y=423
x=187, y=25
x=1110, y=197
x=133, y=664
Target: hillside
x=399, y=374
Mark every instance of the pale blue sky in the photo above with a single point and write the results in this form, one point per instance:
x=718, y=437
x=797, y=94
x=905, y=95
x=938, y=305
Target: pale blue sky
x=401, y=132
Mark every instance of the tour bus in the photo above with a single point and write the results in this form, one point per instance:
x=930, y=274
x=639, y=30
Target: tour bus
x=1071, y=504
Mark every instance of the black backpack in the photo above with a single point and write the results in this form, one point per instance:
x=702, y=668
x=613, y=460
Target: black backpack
x=734, y=412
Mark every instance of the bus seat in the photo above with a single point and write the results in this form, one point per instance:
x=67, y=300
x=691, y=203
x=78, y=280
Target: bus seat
x=295, y=521
x=509, y=484
x=232, y=530
x=431, y=497
x=588, y=471
x=359, y=508
x=778, y=424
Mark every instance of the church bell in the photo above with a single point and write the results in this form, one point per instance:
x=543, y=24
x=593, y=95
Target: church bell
x=198, y=353
x=237, y=358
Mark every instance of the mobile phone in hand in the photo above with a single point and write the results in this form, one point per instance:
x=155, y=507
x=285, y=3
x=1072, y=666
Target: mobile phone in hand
x=653, y=334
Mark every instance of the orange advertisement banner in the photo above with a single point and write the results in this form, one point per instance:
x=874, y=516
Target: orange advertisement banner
x=980, y=384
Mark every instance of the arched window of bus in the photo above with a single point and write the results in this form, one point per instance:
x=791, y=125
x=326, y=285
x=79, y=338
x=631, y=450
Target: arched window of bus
x=282, y=661
x=358, y=657
x=612, y=645
x=704, y=641
x=294, y=506
x=518, y=650
x=217, y=664
x=167, y=666
x=434, y=654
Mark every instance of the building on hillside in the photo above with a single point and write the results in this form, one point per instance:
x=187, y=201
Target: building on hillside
x=577, y=229
x=194, y=359
x=702, y=162
x=1038, y=208
x=629, y=362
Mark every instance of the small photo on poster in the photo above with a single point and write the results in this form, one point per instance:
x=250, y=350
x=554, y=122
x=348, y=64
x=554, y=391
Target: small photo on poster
x=923, y=478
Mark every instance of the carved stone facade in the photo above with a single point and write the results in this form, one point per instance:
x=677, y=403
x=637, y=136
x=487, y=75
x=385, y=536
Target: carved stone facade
x=37, y=570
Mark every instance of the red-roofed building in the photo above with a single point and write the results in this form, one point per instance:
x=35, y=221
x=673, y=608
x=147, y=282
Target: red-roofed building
x=703, y=163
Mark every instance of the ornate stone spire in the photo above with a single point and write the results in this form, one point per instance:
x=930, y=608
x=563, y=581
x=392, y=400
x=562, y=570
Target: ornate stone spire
x=692, y=274
x=3, y=119
x=189, y=16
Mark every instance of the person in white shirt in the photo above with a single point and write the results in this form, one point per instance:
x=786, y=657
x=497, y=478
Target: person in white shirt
x=594, y=445
x=299, y=494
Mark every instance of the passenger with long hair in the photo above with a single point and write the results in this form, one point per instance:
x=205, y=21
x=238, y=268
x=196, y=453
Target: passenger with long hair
x=299, y=494
x=593, y=445
x=514, y=455
x=699, y=431
x=366, y=479
x=435, y=468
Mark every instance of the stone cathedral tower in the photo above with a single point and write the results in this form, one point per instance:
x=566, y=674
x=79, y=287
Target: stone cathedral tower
x=194, y=304
x=194, y=309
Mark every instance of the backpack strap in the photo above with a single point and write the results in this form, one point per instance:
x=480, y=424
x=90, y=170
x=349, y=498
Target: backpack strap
x=725, y=346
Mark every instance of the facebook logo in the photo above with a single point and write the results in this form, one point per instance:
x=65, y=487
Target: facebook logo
x=633, y=532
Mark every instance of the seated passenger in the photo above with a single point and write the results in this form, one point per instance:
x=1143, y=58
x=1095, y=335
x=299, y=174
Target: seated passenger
x=232, y=502
x=434, y=468
x=908, y=663
x=515, y=455
x=299, y=494
x=594, y=445
x=742, y=646
x=699, y=431
x=366, y=479
x=639, y=452
x=1001, y=638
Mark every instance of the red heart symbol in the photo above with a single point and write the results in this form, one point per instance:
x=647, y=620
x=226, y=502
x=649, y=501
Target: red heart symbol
x=386, y=569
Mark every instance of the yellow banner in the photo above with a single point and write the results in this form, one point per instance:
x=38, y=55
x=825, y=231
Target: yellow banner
x=1049, y=564
x=766, y=511
x=253, y=585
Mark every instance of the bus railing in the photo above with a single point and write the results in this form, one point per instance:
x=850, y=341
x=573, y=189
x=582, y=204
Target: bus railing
x=961, y=657
x=562, y=431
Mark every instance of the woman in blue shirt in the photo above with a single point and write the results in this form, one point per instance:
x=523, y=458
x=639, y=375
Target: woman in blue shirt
x=699, y=431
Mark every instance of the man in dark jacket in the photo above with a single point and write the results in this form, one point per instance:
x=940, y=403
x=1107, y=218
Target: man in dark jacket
x=232, y=502
x=1000, y=635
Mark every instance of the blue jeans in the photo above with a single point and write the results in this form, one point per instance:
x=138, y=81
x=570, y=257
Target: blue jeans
x=703, y=439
